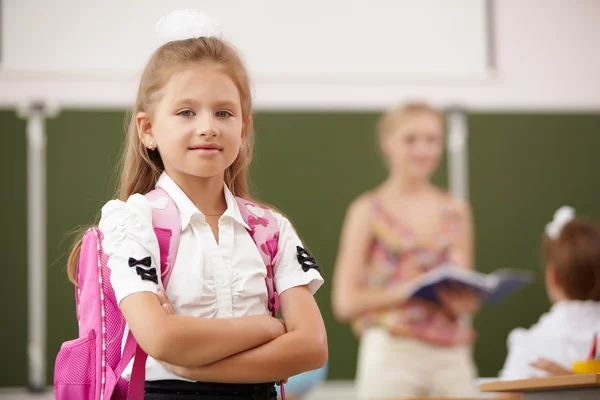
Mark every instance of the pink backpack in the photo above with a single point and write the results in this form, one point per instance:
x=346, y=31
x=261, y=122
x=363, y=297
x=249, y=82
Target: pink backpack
x=90, y=367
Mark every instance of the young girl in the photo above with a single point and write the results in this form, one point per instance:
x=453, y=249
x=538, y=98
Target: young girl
x=191, y=135
x=564, y=334
x=391, y=235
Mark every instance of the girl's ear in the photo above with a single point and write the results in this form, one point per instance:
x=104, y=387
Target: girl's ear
x=144, y=130
x=551, y=275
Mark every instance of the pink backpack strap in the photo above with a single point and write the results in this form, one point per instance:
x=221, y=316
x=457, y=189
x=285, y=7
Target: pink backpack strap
x=167, y=226
x=265, y=233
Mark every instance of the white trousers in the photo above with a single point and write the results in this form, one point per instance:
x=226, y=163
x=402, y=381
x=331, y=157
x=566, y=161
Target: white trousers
x=397, y=367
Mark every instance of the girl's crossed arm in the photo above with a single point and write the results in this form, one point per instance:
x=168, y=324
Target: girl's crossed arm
x=190, y=341
x=302, y=348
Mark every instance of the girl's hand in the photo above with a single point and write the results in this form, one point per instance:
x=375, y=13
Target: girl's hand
x=182, y=372
x=281, y=327
x=165, y=302
x=458, y=300
x=550, y=367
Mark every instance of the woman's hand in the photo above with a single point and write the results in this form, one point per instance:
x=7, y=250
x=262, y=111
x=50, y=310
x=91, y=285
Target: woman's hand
x=459, y=301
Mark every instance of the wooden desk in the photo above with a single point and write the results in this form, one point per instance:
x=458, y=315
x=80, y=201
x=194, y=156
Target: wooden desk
x=567, y=387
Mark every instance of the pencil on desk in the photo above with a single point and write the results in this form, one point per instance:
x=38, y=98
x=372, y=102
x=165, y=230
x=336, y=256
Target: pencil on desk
x=592, y=355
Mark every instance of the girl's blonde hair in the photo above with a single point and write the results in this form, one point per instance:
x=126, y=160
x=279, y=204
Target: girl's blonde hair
x=141, y=168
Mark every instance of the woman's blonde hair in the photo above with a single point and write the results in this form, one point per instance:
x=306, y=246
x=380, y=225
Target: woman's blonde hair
x=398, y=115
x=141, y=168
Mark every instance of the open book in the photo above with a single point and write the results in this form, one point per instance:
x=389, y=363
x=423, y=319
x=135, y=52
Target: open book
x=492, y=287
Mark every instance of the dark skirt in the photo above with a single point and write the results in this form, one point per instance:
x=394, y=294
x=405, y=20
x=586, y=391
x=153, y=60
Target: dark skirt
x=182, y=390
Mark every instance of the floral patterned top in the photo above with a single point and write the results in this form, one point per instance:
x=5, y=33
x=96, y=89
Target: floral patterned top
x=397, y=256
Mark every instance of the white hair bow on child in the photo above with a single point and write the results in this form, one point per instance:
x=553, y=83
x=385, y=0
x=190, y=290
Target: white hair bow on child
x=186, y=24
x=562, y=216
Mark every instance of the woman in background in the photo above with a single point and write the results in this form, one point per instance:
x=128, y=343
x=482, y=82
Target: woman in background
x=392, y=234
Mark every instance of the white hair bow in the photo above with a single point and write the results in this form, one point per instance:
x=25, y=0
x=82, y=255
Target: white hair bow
x=562, y=216
x=186, y=24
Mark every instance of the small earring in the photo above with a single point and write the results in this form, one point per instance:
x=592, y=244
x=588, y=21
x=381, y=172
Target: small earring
x=152, y=145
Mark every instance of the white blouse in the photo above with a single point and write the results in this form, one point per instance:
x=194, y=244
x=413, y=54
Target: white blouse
x=209, y=279
x=562, y=335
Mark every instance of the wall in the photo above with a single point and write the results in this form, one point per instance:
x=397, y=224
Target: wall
x=308, y=41
x=546, y=60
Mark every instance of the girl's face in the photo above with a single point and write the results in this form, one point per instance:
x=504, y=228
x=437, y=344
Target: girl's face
x=197, y=125
x=414, y=148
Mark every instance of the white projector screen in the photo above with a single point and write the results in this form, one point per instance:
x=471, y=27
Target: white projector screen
x=312, y=41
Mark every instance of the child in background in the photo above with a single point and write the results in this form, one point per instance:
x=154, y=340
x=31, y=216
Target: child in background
x=565, y=334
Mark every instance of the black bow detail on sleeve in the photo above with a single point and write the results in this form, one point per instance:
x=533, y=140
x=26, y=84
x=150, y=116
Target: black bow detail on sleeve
x=306, y=260
x=146, y=262
x=145, y=274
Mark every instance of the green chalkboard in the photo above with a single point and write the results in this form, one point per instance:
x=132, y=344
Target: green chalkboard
x=310, y=165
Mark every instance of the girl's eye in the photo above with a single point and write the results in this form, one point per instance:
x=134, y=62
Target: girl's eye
x=186, y=113
x=223, y=114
